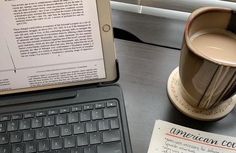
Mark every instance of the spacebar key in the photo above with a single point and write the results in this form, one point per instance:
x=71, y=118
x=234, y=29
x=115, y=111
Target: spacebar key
x=114, y=147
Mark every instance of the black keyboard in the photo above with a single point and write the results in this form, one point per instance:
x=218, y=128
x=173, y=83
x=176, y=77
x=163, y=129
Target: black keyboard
x=93, y=127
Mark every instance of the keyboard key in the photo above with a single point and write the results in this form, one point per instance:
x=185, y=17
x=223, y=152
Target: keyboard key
x=40, y=113
x=49, y=121
x=66, y=130
x=114, y=123
x=43, y=145
x=90, y=149
x=56, y=143
x=53, y=112
x=103, y=125
x=12, y=125
x=85, y=116
x=28, y=135
x=18, y=148
x=3, y=127
x=61, y=119
x=111, y=103
x=4, y=139
x=76, y=108
x=41, y=133
x=97, y=114
x=110, y=148
x=88, y=107
x=37, y=122
x=17, y=116
x=110, y=112
x=76, y=150
x=30, y=147
x=28, y=115
x=5, y=118
x=15, y=137
x=79, y=128
x=109, y=136
x=73, y=117
x=95, y=138
x=63, y=151
x=24, y=124
x=91, y=126
x=100, y=105
x=5, y=149
x=82, y=140
x=69, y=142
x=53, y=132
x=65, y=110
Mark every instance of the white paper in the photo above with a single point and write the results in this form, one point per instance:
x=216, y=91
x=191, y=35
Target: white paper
x=39, y=37
x=172, y=138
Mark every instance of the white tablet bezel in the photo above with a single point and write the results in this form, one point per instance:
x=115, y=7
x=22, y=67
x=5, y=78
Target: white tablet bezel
x=107, y=39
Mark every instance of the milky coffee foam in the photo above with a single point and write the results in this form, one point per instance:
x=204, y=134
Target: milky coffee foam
x=219, y=45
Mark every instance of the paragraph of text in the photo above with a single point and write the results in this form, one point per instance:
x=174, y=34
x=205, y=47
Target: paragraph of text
x=54, y=39
x=48, y=9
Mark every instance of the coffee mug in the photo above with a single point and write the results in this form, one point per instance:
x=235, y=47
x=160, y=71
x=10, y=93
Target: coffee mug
x=207, y=68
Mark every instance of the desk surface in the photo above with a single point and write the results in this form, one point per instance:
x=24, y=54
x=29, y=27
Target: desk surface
x=151, y=29
x=144, y=73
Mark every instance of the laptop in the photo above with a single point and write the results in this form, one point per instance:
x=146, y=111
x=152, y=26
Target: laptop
x=58, y=70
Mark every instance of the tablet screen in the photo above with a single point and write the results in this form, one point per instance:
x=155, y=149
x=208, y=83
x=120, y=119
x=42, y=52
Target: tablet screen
x=49, y=43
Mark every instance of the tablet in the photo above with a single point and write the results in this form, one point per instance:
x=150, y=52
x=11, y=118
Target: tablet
x=49, y=44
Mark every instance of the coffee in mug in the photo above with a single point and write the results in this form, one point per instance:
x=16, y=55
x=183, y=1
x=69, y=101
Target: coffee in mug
x=215, y=44
x=203, y=86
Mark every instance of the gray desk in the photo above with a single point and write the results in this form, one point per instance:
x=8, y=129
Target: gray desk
x=144, y=72
x=151, y=29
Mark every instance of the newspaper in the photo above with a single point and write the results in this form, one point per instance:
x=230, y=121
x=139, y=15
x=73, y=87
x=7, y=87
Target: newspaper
x=172, y=138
